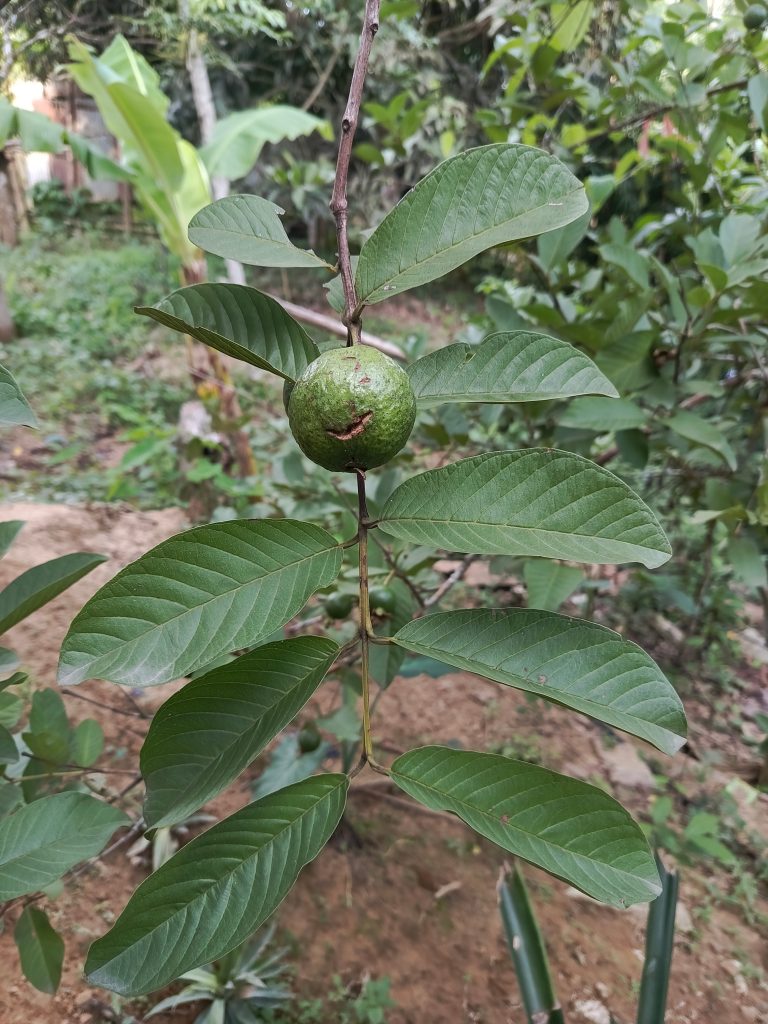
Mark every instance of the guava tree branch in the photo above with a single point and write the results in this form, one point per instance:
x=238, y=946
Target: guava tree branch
x=338, y=202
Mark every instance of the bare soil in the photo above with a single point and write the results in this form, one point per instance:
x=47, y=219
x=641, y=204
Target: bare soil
x=399, y=892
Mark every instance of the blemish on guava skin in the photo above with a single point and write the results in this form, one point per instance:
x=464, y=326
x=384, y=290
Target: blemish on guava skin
x=364, y=380
x=353, y=429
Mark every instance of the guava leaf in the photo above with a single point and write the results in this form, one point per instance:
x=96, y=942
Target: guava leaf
x=240, y=322
x=484, y=197
x=537, y=501
x=201, y=594
x=572, y=830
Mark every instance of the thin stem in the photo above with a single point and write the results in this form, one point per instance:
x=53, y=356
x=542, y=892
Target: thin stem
x=366, y=625
x=339, y=197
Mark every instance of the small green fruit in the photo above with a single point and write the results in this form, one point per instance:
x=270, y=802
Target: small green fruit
x=309, y=738
x=382, y=600
x=352, y=409
x=338, y=606
x=755, y=16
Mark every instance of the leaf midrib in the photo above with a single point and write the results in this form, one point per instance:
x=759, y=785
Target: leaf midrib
x=511, y=526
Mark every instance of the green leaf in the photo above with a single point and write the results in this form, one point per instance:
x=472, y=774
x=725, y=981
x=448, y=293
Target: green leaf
x=515, y=366
x=213, y=728
x=556, y=246
x=8, y=532
x=659, y=948
x=700, y=431
x=568, y=661
x=49, y=734
x=39, y=585
x=238, y=139
x=241, y=322
x=42, y=840
x=757, y=90
x=573, y=830
x=549, y=583
x=14, y=408
x=484, y=197
x=9, y=753
x=248, y=229
x=41, y=950
x=87, y=743
x=571, y=23
x=538, y=502
x=602, y=415
x=218, y=889
x=201, y=594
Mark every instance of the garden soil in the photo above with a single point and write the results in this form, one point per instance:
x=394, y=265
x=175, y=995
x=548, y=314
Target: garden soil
x=400, y=891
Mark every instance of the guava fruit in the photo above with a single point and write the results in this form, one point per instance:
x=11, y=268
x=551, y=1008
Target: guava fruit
x=755, y=16
x=382, y=599
x=338, y=606
x=309, y=738
x=352, y=409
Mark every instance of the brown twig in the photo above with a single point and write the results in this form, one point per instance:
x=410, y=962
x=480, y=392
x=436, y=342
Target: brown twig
x=450, y=581
x=338, y=202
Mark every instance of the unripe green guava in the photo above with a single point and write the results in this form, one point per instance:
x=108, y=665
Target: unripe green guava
x=338, y=606
x=352, y=409
x=755, y=16
x=382, y=599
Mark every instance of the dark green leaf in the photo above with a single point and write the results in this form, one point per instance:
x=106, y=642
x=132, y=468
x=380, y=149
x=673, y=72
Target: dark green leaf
x=41, y=950
x=571, y=829
x=538, y=501
x=199, y=595
x=386, y=659
x=218, y=889
x=49, y=734
x=484, y=197
x=8, y=533
x=659, y=947
x=248, y=229
x=569, y=661
x=14, y=408
x=241, y=322
x=39, y=585
x=515, y=366
x=208, y=732
x=41, y=841
x=700, y=431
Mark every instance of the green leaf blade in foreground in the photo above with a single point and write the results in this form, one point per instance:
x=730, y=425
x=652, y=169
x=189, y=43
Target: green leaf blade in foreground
x=42, y=840
x=248, y=229
x=218, y=889
x=213, y=728
x=15, y=410
x=41, y=950
x=513, y=366
x=201, y=594
x=9, y=530
x=484, y=197
x=240, y=322
x=578, y=664
x=40, y=584
x=538, y=501
x=571, y=829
